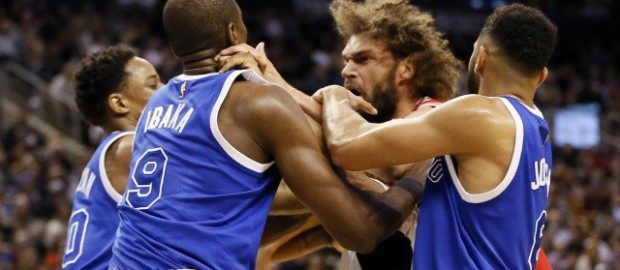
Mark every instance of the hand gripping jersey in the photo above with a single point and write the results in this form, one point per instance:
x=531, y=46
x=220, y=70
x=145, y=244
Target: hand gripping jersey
x=193, y=201
x=94, y=218
x=498, y=229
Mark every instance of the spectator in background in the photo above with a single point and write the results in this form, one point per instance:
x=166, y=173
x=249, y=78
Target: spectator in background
x=50, y=33
x=9, y=40
x=61, y=88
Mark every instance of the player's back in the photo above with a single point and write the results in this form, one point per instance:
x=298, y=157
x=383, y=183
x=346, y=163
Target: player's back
x=94, y=218
x=192, y=200
x=498, y=229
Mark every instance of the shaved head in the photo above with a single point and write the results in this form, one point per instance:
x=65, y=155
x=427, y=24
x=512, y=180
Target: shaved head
x=194, y=25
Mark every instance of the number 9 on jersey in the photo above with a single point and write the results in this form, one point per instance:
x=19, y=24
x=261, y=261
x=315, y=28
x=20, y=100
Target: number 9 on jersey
x=147, y=179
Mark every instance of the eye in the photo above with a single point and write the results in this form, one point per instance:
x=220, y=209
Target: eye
x=363, y=59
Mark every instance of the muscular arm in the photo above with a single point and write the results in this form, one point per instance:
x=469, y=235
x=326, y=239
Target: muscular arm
x=286, y=203
x=118, y=159
x=416, y=170
x=351, y=139
x=358, y=220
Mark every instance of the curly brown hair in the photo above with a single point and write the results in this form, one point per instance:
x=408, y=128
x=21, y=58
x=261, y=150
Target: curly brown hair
x=408, y=33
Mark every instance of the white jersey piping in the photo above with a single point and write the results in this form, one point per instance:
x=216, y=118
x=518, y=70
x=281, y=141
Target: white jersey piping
x=186, y=77
x=512, y=168
x=107, y=185
x=228, y=148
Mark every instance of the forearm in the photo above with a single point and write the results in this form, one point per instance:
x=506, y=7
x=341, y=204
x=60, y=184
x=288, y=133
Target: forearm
x=286, y=203
x=363, y=218
x=394, y=207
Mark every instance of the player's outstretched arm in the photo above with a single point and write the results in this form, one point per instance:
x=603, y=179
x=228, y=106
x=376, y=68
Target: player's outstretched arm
x=358, y=220
x=463, y=125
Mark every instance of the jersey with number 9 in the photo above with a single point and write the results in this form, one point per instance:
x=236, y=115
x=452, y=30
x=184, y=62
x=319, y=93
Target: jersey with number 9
x=192, y=200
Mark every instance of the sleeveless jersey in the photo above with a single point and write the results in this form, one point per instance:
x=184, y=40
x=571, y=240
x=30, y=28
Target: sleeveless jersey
x=94, y=218
x=192, y=199
x=498, y=229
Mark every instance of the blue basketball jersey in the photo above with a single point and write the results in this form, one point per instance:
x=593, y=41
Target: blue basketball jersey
x=94, y=218
x=498, y=229
x=192, y=199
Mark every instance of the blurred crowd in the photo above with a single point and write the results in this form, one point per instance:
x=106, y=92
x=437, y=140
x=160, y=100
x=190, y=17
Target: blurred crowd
x=38, y=175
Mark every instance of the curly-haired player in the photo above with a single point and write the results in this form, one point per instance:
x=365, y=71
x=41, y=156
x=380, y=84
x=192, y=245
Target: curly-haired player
x=112, y=87
x=394, y=57
x=485, y=197
x=397, y=60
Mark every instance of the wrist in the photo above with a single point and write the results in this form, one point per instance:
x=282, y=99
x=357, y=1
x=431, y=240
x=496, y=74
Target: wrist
x=413, y=186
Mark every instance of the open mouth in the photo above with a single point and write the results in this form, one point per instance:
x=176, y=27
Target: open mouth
x=355, y=92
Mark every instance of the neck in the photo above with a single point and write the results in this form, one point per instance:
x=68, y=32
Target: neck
x=200, y=62
x=507, y=82
x=405, y=106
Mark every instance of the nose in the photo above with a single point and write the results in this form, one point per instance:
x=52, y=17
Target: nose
x=348, y=71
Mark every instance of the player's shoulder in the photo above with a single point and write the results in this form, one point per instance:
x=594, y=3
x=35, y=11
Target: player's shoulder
x=120, y=150
x=472, y=100
x=462, y=113
x=262, y=98
x=477, y=106
x=259, y=89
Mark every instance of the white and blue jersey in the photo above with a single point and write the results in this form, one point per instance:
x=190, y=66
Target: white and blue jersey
x=498, y=229
x=193, y=201
x=94, y=218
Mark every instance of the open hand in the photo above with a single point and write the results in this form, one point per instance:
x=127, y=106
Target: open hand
x=356, y=102
x=247, y=57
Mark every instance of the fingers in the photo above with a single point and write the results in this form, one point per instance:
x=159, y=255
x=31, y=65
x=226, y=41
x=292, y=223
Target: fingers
x=359, y=103
x=261, y=58
x=259, y=54
x=318, y=97
x=239, y=60
x=239, y=48
x=356, y=102
x=260, y=48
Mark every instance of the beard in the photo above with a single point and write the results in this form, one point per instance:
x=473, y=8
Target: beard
x=473, y=83
x=384, y=101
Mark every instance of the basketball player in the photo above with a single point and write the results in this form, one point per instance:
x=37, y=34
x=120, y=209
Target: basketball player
x=202, y=174
x=401, y=77
x=489, y=182
x=112, y=87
